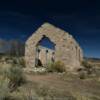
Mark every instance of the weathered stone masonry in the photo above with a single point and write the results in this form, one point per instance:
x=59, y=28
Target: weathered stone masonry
x=67, y=49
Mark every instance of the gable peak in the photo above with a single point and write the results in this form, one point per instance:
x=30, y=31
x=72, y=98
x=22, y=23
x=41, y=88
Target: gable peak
x=47, y=24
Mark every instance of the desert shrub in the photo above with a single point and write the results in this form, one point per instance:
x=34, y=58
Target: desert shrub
x=15, y=76
x=15, y=61
x=88, y=67
x=86, y=64
x=4, y=90
x=19, y=61
x=10, y=78
x=56, y=67
x=82, y=75
x=22, y=62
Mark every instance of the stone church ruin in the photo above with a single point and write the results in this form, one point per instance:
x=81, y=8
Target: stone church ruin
x=50, y=44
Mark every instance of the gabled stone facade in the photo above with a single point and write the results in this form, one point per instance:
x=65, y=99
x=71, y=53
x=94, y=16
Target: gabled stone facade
x=66, y=49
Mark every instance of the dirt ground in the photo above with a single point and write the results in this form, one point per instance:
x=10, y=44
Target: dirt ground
x=78, y=87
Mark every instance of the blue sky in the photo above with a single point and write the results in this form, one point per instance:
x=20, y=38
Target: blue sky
x=81, y=18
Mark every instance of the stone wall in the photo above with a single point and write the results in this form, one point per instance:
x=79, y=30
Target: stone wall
x=67, y=49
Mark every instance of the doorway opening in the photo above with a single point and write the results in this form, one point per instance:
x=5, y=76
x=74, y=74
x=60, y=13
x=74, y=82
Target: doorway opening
x=45, y=52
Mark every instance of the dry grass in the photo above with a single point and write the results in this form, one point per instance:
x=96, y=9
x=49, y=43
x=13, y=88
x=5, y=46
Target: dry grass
x=51, y=86
x=38, y=91
x=56, y=67
x=60, y=84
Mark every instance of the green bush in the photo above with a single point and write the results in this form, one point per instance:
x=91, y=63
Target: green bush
x=82, y=75
x=4, y=90
x=88, y=67
x=22, y=62
x=15, y=76
x=86, y=64
x=56, y=67
x=15, y=61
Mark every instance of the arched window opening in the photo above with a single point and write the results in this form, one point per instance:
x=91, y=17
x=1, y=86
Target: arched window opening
x=45, y=51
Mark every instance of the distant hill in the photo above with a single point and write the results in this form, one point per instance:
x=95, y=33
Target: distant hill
x=93, y=59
